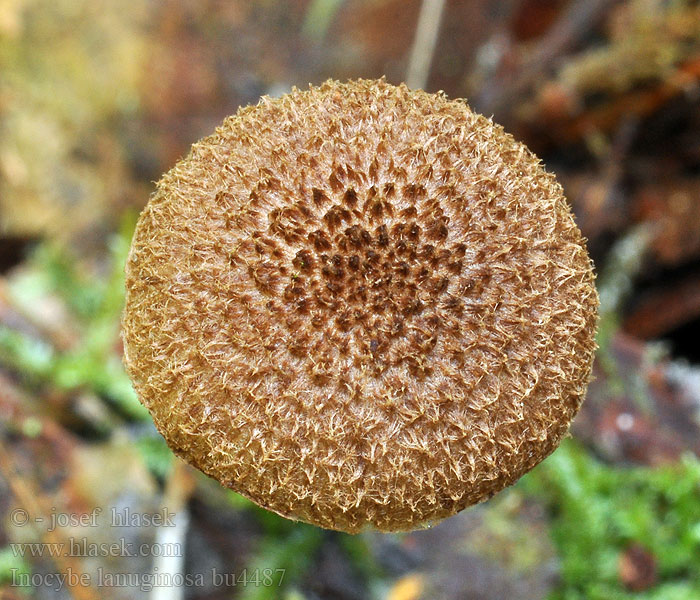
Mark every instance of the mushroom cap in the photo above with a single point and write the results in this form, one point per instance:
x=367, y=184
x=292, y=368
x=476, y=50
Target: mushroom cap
x=360, y=305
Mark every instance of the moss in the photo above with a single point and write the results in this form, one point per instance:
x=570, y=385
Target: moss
x=599, y=510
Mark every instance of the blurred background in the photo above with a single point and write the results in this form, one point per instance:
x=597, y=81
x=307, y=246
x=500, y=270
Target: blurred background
x=98, y=98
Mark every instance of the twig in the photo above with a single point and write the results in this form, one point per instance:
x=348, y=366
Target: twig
x=424, y=43
x=177, y=492
x=575, y=24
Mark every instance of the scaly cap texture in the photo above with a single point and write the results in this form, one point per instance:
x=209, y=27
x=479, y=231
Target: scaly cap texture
x=360, y=305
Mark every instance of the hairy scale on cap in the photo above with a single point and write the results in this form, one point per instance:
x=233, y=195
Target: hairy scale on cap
x=360, y=305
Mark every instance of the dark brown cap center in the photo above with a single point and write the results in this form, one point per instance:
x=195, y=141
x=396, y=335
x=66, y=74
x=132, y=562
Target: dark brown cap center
x=369, y=267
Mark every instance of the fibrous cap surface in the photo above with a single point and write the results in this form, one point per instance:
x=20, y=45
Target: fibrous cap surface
x=360, y=304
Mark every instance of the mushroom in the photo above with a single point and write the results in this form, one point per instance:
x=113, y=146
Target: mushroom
x=360, y=306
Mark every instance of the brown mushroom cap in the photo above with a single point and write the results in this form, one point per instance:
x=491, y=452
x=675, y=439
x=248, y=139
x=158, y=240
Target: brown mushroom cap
x=360, y=304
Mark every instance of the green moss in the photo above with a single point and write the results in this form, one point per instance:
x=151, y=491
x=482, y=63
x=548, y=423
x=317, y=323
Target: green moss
x=95, y=304
x=11, y=566
x=598, y=510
